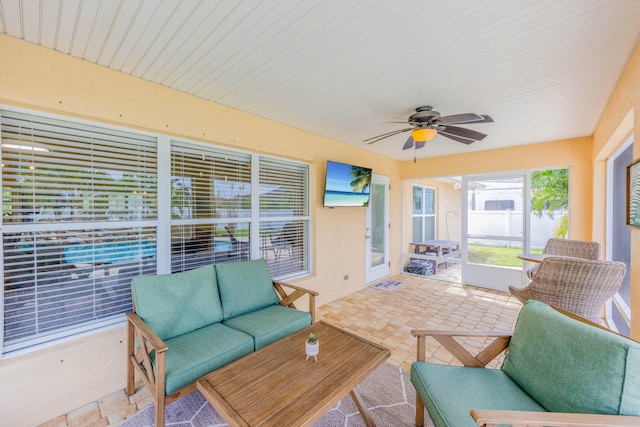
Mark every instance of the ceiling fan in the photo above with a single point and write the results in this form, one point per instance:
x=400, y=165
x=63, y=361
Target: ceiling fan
x=426, y=123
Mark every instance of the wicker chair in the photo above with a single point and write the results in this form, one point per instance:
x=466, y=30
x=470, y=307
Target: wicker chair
x=572, y=248
x=579, y=286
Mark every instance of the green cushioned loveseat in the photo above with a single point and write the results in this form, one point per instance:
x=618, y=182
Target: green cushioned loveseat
x=559, y=370
x=197, y=321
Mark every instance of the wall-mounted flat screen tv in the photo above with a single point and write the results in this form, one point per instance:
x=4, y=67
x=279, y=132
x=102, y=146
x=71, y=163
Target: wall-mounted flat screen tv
x=346, y=185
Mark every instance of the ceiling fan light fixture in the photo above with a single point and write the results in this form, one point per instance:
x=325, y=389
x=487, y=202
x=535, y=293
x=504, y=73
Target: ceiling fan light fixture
x=423, y=134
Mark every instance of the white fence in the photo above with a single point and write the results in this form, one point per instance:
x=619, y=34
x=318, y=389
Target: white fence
x=509, y=223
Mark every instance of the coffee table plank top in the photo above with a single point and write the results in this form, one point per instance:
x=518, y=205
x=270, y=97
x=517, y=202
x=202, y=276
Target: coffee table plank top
x=276, y=385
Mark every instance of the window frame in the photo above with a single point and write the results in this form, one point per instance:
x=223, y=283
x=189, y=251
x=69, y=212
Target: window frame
x=423, y=215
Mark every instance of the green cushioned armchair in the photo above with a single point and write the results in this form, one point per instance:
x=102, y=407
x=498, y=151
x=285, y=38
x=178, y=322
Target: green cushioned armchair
x=559, y=370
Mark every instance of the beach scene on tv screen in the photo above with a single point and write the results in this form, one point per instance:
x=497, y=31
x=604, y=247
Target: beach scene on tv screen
x=347, y=185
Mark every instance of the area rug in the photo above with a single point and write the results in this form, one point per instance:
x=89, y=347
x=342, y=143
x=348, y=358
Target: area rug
x=388, y=285
x=387, y=393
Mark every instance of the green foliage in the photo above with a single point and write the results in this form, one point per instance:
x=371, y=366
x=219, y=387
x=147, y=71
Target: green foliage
x=549, y=191
x=312, y=339
x=563, y=228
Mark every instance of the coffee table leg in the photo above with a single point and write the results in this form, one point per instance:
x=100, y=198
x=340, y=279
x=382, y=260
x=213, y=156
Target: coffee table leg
x=363, y=409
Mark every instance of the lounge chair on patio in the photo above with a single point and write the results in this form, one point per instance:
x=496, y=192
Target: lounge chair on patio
x=240, y=248
x=571, y=248
x=579, y=286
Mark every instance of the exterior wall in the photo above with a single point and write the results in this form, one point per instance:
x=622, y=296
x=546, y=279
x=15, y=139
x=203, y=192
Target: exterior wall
x=621, y=118
x=53, y=380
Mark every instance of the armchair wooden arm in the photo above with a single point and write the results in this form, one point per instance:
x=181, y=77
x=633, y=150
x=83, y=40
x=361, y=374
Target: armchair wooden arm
x=288, y=299
x=492, y=418
x=139, y=360
x=448, y=341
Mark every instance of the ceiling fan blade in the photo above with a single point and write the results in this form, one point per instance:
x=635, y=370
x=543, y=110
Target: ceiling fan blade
x=385, y=135
x=408, y=144
x=457, y=138
x=459, y=119
x=462, y=132
x=420, y=144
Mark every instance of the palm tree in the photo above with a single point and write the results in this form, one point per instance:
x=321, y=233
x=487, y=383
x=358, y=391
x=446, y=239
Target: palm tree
x=550, y=193
x=361, y=178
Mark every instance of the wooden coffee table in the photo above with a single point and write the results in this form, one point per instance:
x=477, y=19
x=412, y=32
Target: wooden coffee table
x=277, y=385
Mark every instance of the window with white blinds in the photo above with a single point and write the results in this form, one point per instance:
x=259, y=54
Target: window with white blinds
x=213, y=216
x=210, y=205
x=80, y=219
x=284, y=215
x=79, y=214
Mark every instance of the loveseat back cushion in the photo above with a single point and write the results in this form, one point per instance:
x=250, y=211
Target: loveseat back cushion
x=450, y=392
x=569, y=366
x=245, y=286
x=174, y=304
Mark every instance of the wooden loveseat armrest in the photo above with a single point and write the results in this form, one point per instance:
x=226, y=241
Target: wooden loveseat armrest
x=492, y=418
x=448, y=341
x=288, y=299
x=139, y=357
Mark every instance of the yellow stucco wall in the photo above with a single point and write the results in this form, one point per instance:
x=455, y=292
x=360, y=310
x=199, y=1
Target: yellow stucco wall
x=47, y=382
x=620, y=119
x=572, y=153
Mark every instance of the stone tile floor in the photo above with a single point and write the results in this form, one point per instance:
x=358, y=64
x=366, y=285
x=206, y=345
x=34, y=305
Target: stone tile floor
x=381, y=316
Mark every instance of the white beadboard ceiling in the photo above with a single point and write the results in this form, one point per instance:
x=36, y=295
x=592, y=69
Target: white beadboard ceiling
x=543, y=69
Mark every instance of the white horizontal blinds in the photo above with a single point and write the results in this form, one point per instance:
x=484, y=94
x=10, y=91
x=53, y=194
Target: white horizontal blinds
x=284, y=221
x=79, y=221
x=56, y=281
x=57, y=170
x=283, y=188
x=210, y=205
x=196, y=245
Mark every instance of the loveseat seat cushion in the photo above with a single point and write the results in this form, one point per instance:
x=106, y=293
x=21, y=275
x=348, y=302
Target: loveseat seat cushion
x=199, y=352
x=450, y=392
x=174, y=304
x=245, y=286
x=270, y=324
x=569, y=366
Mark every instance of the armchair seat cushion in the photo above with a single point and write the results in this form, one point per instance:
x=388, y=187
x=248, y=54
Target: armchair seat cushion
x=270, y=324
x=450, y=392
x=199, y=352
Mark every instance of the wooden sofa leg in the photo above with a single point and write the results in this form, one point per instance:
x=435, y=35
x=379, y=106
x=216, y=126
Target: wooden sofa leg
x=160, y=411
x=419, y=412
x=131, y=386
